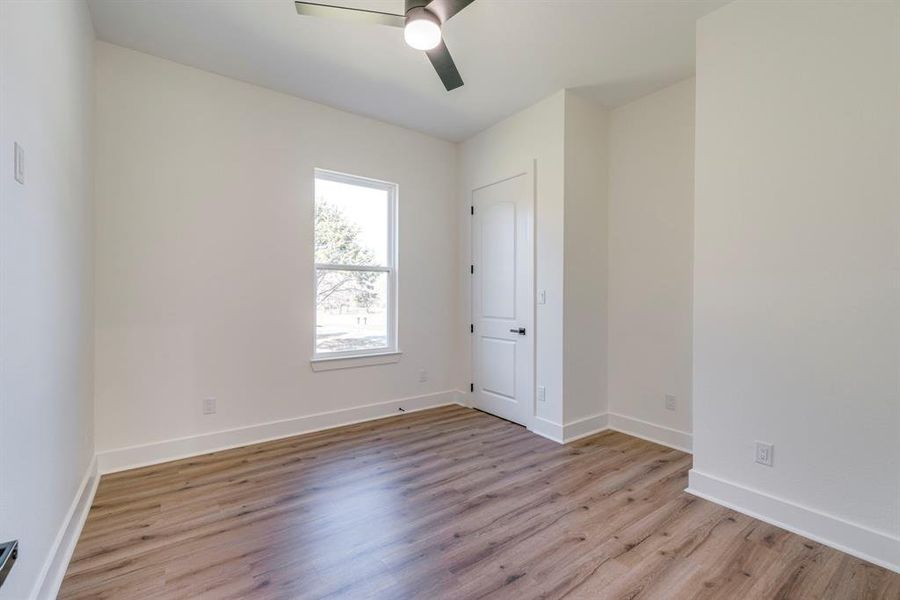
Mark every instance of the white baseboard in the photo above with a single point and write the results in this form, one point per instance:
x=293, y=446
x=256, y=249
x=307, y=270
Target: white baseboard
x=464, y=398
x=673, y=438
x=548, y=429
x=563, y=434
x=57, y=561
x=120, y=459
x=585, y=427
x=877, y=547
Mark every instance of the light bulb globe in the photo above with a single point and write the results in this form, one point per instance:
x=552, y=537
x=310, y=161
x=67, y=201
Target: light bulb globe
x=422, y=30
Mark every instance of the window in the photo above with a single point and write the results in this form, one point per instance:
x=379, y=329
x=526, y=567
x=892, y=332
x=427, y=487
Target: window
x=356, y=276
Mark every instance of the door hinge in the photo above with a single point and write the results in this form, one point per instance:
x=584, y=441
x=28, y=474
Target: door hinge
x=472, y=210
x=471, y=387
x=472, y=269
x=471, y=327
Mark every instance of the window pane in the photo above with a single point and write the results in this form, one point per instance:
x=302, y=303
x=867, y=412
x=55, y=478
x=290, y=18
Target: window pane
x=351, y=224
x=351, y=310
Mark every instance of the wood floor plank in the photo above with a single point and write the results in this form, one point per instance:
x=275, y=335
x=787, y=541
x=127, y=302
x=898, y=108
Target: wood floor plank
x=448, y=503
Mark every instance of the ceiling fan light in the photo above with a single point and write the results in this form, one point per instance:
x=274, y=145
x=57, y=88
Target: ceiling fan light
x=422, y=30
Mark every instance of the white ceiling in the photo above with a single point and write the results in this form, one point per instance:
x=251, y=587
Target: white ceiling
x=511, y=53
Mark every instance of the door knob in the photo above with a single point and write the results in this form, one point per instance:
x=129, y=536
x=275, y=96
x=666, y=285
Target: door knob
x=520, y=331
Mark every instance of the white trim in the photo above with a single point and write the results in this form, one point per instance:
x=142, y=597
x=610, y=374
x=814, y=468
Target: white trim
x=585, y=427
x=357, y=268
x=120, y=459
x=350, y=179
x=878, y=547
x=548, y=429
x=357, y=360
x=57, y=561
x=563, y=434
x=659, y=434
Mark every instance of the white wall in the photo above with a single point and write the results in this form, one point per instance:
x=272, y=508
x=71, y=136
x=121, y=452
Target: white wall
x=46, y=275
x=797, y=266
x=564, y=135
x=534, y=134
x=204, y=209
x=585, y=262
x=651, y=229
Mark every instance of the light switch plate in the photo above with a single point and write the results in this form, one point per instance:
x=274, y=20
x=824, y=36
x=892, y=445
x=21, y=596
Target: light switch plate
x=19, y=163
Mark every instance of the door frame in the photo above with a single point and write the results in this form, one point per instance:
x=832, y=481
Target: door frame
x=528, y=169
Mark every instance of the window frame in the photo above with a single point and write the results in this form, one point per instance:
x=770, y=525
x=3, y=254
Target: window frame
x=390, y=269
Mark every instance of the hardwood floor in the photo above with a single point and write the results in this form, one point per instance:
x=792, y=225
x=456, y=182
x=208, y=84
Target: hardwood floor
x=445, y=503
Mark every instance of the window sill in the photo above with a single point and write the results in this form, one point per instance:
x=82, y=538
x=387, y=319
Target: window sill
x=350, y=362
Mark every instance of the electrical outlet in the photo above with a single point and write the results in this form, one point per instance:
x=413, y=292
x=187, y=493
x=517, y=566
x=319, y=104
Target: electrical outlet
x=764, y=453
x=423, y=375
x=541, y=394
x=670, y=402
x=209, y=406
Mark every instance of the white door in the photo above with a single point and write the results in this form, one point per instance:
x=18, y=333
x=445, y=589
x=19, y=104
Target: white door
x=503, y=298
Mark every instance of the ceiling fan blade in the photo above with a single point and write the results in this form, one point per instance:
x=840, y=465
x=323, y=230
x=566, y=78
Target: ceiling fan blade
x=312, y=9
x=444, y=9
x=446, y=69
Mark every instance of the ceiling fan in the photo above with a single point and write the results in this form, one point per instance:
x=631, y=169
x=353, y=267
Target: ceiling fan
x=421, y=25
